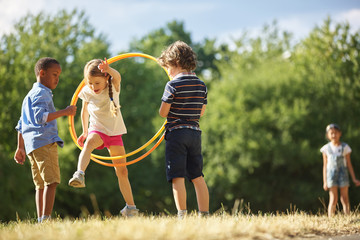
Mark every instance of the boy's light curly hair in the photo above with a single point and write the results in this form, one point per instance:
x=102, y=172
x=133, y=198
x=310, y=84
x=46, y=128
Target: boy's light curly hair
x=178, y=54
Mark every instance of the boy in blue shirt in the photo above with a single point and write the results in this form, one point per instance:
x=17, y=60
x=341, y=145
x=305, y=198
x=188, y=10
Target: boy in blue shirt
x=38, y=135
x=183, y=103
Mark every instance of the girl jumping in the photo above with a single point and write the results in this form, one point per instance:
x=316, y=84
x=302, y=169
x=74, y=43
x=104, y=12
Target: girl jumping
x=100, y=101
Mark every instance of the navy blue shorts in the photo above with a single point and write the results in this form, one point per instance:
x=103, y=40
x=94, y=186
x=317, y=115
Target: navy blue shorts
x=183, y=154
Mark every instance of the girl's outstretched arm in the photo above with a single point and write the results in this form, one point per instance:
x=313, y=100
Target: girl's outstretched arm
x=116, y=77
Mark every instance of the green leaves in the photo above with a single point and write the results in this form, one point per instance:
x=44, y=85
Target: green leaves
x=265, y=120
x=268, y=104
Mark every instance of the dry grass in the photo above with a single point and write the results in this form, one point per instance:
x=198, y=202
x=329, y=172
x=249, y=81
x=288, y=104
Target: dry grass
x=280, y=226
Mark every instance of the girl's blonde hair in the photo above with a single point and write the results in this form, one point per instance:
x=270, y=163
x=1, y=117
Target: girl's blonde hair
x=91, y=69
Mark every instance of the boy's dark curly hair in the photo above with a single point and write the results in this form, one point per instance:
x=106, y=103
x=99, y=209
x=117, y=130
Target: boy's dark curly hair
x=44, y=64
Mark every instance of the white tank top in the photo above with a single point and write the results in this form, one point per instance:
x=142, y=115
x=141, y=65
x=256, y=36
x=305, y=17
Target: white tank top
x=101, y=118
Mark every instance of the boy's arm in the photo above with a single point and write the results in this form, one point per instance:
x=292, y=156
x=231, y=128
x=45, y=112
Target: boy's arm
x=203, y=110
x=164, y=109
x=69, y=110
x=20, y=154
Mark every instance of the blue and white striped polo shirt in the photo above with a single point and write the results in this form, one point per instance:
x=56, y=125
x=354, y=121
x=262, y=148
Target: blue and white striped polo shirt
x=187, y=94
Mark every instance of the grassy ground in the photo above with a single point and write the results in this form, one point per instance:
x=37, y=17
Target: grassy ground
x=266, y=226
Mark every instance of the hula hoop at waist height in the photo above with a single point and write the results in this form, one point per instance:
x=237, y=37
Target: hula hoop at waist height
x=95, y=157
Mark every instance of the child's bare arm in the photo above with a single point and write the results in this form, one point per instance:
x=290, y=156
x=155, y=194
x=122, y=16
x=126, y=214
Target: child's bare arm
x=116, y=77
x=164, y=109
x=202, y=110
x=85, y=117
x=351, y=170
x=324, y=172
x=84, y=123
x=69, y=110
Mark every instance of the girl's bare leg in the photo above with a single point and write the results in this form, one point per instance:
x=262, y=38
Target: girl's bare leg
x=344, y=198
x=122, y=174
x=92, y=142
x=333, y=198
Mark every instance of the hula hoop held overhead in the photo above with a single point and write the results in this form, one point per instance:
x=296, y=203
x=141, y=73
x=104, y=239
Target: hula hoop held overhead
x=96, y=158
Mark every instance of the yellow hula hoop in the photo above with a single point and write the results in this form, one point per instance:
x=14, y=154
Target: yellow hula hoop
x=130, y=162
x=95, y=157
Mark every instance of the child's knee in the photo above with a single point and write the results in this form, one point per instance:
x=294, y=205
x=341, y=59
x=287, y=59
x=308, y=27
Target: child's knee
x=89, y=145
x=345, y=199
x=198, y=180
x=92, y=143
x=121, y=172
x=333, y=199
x=52, y=185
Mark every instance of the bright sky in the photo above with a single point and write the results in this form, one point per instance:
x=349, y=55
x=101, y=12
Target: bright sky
x=122, y=20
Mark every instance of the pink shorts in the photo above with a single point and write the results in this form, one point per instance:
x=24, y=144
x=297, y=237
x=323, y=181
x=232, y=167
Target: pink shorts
x=109, y=140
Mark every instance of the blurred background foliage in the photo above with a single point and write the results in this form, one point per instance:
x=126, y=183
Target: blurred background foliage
x=270, y=99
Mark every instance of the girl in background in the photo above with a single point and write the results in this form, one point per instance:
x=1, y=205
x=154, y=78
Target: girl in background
x=100, y=101
x=336, y=168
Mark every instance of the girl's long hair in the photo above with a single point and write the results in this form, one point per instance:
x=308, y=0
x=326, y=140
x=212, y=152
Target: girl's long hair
x=91, y=69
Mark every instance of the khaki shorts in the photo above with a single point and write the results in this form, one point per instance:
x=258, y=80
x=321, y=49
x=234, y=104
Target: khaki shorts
x=45, y=165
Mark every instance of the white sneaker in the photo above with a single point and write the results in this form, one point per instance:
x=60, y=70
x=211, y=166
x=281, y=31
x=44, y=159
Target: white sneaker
x=129, y=212
x=204, y=214
x=181, y=214
x=78, y=180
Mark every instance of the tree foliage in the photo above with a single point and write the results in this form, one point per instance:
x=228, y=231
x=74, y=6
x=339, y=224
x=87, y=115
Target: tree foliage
x=268, y=104
x=266, y=117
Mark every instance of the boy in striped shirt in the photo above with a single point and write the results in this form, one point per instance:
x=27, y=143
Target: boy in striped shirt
x=183, y=103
